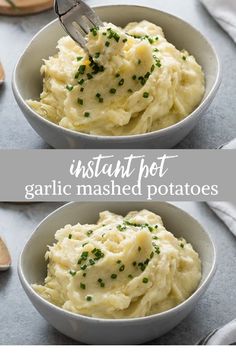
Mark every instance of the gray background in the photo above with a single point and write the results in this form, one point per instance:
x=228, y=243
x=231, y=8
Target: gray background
x=21, y=324
x=218, y=126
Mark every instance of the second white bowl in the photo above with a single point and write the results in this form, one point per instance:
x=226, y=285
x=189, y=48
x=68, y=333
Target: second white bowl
x=32, y=269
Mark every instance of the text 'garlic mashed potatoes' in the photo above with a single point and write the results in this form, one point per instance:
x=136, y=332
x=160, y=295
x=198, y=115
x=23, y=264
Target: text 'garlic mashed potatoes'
x=133, y=81
x=122, y=267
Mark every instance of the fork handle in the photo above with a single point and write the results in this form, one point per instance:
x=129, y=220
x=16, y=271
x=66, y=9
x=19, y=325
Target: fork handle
x=63, y=6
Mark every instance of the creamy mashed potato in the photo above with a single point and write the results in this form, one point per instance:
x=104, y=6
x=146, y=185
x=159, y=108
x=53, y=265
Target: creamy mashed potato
x=131, y=81
x=121, y=267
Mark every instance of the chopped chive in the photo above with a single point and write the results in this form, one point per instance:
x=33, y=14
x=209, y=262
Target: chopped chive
x=89, y=232
x=89, y=298
x=134, y=77
x=121, y=82
x=82, y=89
x=81, y=82
x=122, y=268
x=84, y=244
x=89, y=76
x=84, y=275
x=80, y=101
x=139, y=62
x=70, y=236
x=69, y=87
x=91, y=261
x=121, y=227
x=145, y=94
x=107, y=44
x=79, y=58
x=83, y=267
x=118, y=262
x=117, y=75
x=102, y=285
x=130, y=276
x=184, y=58
x=145, y=280
x=82, y=286
x=156, y=50
x=125, y=40
x=98, y=95
x=86, y=114
x=130, y=90
x=82, y=69
x=139, y=249
x=100, y=100
x=97, y=55
x=113, y=91
x=94, y=31
x=182, y=245
x=151, y=255
x=99, y=280
x=134, y=264
x=113, y=276
x=72, y=272
x=104, y=33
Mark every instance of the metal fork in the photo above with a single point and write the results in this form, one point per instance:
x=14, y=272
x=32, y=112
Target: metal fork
x=77, y=19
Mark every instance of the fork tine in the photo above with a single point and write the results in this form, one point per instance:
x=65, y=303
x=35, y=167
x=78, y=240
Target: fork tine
x=77, y=18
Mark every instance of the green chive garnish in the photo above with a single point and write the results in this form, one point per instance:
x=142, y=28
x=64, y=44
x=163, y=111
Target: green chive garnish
x=107, y=44
x=113, y=91
x=121, y=82
x=89, y=298
x=80, y=101
x=82, y=286
x=145, y=94
x=82, y=69
x=72, y=272
x=79, y=58
x=145, y=280
x=113, y=276
x=70, y=236
x=87, y=114
x=69, y=87
x=81, y=82
x=122, y=268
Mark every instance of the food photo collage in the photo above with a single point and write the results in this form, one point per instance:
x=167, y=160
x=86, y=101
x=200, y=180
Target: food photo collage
x=95, y=76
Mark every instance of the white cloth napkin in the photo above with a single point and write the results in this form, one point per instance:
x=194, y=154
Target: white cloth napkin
x=226, y=211
x=224, y=11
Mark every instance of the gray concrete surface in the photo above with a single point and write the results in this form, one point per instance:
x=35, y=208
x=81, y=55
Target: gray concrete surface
x=21, y=324
x=217, y=126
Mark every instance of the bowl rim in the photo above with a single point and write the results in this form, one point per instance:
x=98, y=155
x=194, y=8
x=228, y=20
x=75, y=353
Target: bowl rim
x=119, y=321
x=120, y=138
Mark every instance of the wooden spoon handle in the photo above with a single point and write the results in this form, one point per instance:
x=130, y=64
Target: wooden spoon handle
x=2, y=74
x=24, y=7
x=5, y=258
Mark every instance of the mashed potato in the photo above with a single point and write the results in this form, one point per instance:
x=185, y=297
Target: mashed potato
x=121, y=267
x=131, y=81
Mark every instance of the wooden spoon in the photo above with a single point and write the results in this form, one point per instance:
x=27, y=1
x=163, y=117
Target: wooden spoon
x=5, y=258
x=2, y=74
x=24, y=7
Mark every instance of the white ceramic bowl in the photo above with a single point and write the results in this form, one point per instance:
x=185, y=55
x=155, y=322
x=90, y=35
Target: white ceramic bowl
x=32, y=269
x=27, y=82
